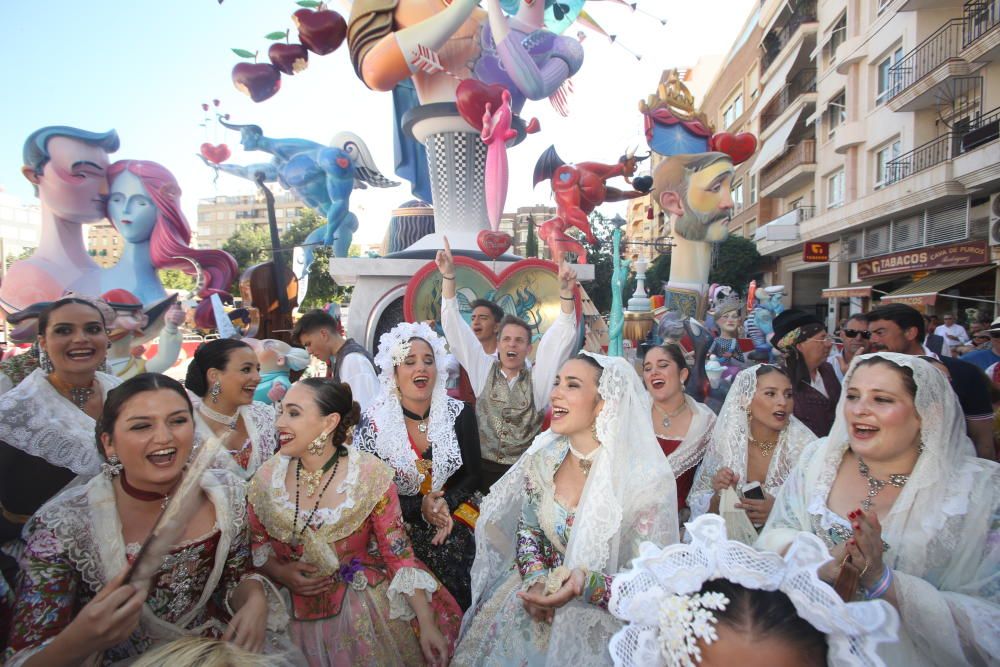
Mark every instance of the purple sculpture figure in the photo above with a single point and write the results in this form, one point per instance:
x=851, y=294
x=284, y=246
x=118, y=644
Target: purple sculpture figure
x=496, y=133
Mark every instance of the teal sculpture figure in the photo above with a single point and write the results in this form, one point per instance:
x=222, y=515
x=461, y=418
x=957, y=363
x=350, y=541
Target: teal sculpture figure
x=616, y=319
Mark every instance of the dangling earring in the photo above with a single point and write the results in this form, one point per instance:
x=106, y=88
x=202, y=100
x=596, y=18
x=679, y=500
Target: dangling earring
x=593, y=431
x=45, y=362
x=112, y=467
x=216, y=390
x=317, y=446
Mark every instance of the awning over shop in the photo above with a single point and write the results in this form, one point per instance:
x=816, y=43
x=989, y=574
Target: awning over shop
x=861, y=289
x=924, y=292
x=778, y=79
x=775, y=145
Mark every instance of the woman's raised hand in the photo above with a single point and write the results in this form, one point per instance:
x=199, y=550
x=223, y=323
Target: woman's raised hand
x=434, y=509
x=106, y=620
x=865, y=547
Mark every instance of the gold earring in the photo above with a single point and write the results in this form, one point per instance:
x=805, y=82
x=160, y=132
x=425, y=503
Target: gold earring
x=317, y=446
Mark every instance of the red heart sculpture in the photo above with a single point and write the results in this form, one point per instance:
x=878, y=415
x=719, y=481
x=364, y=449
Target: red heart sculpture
x=493, y=244
x=532, y=282
x=215, y=154
x=471, y=97
x=737, y=146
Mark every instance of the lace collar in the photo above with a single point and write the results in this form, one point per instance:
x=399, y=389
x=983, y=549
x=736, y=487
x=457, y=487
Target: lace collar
x=324, y=515
x=258, y=419
x=39, y=421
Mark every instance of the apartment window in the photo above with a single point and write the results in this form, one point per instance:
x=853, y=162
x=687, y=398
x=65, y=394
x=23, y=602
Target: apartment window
x=737, y=193
x=751, y=228
x=753, y=189
x=232, y=215
x=733, y=111
x=882, y=159
x=836, y=114
x=887, y=87
x=220, y=215
x=279, y=213
x=837, y=37
x=835, y=189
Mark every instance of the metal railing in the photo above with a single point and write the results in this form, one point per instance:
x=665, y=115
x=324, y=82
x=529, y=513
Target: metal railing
x=933, y=153
x=980, y=17
x=775, y=42
x=947, y=42
x=800, y=154
x=800, y=84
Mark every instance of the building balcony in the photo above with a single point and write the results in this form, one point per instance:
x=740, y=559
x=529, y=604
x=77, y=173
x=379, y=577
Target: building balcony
x=801, y=21
x=801, y=89
x=917, y=5
x=790, y=171
x=785, y=227
x=981, y=132
x=848, y=135
x=956, y=49
x=849, y=52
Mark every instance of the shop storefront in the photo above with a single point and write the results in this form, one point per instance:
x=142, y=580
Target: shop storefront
x=933, y=279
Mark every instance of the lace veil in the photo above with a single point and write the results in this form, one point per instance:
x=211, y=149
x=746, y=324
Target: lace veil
x=948, y=597
x=383, y=430
x=728, y=446
x=630, y=496
x=854, y=630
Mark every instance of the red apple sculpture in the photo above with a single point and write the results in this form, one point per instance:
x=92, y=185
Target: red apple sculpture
x=258, y=80
x=289, y=58
x=321, y=31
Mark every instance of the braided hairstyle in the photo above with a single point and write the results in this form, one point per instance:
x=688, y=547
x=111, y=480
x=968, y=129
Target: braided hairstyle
x=331, y=397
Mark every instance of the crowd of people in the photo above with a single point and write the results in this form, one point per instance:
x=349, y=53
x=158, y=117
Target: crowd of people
x=842, y=508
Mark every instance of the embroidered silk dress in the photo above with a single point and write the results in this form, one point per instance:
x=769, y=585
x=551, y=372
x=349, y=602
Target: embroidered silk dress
x=75, y=546
x=260, y=445
x=365, y=618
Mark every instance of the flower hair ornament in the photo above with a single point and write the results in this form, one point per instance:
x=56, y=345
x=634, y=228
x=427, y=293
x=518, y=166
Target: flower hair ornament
x=665, y=615
x=400, y=351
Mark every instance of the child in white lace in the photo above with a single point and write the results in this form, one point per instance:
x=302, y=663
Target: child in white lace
x=700, y=603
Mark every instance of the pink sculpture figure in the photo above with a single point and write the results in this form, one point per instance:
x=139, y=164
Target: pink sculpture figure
x=496, y=133
x=145, y=207
x=68, y=168
x=579, y=189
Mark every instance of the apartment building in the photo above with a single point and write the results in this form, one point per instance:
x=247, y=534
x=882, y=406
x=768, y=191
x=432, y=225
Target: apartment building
x=879, y=126
x=220, y=217
x=104, y=244
x=20, y=226
x=517, y=223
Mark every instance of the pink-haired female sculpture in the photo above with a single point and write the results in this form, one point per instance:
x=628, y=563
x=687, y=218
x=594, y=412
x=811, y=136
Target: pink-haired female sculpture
x=144, y=206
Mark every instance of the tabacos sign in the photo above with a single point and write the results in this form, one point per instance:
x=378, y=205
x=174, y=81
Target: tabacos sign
x=951, y=256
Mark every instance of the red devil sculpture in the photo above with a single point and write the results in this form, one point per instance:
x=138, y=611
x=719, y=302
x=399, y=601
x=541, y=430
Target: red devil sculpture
x=579, y=189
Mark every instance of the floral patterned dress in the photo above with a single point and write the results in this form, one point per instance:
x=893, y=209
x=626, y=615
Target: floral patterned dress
x=502, y=632
x=75, y=546
x=365, y=618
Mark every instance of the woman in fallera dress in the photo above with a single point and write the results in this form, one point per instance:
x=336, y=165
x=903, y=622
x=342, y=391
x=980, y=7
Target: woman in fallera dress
x=224, y=375
x=72, y=603
x=565, y=518
x=432, y=442
x=326, y=524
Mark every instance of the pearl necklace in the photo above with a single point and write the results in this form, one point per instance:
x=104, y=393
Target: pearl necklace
x=229, y=421
x=586, y=461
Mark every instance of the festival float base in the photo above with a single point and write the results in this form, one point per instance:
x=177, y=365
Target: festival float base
x=379, y=287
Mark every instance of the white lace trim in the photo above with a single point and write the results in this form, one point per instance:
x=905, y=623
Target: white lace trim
x=407, y=582
x=854, y=630
x=40, y=421
x=728, y=445
x=258, y=419
x=324, y=515
x=692, y=448
x=383, y=429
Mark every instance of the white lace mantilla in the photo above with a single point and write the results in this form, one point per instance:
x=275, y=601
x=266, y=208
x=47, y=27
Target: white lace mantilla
x=853, y=630
x=691, y=451
x=38, y=420
x=383, y=429
x=729, y=443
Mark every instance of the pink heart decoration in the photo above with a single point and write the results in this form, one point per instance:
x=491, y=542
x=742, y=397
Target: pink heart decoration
x=493, y=244
x=215, y=154
x=740, y=146
x=471, y=98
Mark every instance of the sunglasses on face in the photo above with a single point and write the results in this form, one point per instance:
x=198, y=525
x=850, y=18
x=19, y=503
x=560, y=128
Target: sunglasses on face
x=854, y=333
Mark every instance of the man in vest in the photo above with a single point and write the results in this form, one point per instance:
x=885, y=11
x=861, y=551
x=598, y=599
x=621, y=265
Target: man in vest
x=346, y=361
x=511, y=398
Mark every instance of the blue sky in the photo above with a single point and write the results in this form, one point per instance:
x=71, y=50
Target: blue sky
x=144, y=68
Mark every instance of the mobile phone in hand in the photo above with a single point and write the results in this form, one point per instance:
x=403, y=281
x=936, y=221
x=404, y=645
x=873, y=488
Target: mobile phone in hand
x=753, y=491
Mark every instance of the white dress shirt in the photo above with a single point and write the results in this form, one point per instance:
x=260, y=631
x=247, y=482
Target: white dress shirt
x=553, y=349
x=358, y=372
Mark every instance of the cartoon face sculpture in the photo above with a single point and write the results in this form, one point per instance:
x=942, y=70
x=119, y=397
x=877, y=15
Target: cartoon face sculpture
x=73, y=182
x=695, y=191
x=131, y=209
